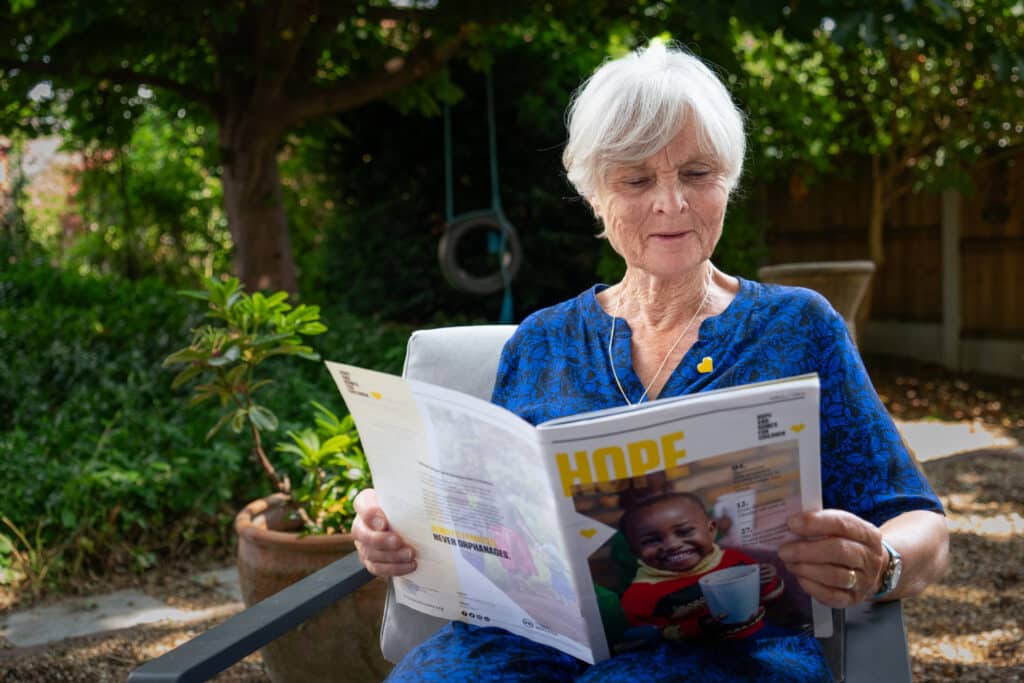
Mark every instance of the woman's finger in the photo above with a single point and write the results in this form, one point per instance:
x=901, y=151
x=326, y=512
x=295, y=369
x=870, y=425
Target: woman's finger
x=837, y=523
x=833, y=576
x=382, y=552
x=828, y=595
x=828, y=551
x=368, y=510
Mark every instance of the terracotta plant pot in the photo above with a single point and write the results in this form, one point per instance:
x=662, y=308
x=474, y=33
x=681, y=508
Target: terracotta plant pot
x=341, y=643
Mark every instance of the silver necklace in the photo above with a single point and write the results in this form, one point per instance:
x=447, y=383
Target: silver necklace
x=611, y=340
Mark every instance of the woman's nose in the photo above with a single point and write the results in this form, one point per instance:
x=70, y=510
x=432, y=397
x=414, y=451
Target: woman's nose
x=670, y=198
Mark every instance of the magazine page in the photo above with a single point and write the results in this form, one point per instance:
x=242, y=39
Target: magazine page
x=693, y=494
x=463, y=482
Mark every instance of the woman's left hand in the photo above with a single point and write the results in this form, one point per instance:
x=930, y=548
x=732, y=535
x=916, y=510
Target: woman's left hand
x=840, y=558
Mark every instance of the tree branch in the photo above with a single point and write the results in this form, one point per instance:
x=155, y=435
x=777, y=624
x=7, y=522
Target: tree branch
x=1005, y=153
x=122, y=76
x=277, y=53
x=424, y=60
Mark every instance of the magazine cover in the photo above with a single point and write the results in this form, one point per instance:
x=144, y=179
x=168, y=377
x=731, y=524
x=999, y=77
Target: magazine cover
x=692, y=496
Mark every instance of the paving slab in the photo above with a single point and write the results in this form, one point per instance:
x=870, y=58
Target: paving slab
x=87, y=615
x=932, y=439
x=224, y=581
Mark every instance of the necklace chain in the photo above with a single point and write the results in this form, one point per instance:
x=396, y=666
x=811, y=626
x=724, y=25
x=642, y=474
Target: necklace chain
x=611, y=340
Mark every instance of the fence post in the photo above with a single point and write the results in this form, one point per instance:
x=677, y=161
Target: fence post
x=951, y=293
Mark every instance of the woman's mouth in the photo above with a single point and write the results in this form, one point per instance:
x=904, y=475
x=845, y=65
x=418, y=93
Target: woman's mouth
x=671, y=236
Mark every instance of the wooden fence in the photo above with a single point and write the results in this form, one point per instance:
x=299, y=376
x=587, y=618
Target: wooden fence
x=830, y=222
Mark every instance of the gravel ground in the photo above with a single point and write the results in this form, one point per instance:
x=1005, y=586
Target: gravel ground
x=968, y=627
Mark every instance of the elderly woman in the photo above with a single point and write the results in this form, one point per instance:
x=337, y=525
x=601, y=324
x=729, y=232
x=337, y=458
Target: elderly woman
x=655, y=147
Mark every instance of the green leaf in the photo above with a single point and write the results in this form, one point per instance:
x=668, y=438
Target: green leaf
x=238, y=420
x=186, y=355
x=234, y=376
x=186, y=375
x=6, y=545
x=256, y=386
x=271, y=339
x=68, y=518
x=313, y=328
x=195, y=294
x=201, y=398
x=337, y=443
x=217, y=427
x=290, y=448
x=263, y=418
x=229, y=356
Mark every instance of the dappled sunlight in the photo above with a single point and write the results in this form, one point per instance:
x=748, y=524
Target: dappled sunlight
x=984, y=646
x=992, y=519
x=979, y=597
x=1004, y=525
x=967, y=626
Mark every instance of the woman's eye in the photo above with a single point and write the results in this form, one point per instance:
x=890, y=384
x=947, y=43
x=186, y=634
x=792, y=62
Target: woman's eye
x=636, y=182
x=696, y=174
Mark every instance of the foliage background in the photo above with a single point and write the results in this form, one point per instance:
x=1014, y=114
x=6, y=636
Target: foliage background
x=111, y=472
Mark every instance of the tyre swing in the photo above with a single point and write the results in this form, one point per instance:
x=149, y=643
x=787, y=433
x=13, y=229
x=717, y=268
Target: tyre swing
x=501, y=236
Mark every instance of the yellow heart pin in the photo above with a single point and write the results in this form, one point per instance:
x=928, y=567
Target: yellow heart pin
x=706, y=365
x=376, y=395
x=588, y=533
x=797, y=428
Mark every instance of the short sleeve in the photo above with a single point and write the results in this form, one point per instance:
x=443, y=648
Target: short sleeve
x=866, y=466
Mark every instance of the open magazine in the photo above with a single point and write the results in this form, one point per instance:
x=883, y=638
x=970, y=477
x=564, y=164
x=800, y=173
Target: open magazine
x=597, y=532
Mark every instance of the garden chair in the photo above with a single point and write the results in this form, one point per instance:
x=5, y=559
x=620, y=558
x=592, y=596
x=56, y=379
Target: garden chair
x=869, y=644
x=843, y=283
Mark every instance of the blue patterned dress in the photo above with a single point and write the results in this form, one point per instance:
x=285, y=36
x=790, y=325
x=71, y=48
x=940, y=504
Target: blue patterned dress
x=556, y=364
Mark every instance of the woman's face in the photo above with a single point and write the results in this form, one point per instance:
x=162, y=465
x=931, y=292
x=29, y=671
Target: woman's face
x=664, y=215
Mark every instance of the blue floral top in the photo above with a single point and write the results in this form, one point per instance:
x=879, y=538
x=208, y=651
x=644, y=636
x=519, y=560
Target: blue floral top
x=556, y=364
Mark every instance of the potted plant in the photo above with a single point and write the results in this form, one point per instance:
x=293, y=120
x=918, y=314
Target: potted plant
x=303, y=526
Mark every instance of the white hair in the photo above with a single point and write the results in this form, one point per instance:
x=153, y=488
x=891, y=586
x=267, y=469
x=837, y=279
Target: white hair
x=632, y=107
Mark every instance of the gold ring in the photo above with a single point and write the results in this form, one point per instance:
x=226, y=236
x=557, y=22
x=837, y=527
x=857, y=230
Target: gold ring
x=853, y=579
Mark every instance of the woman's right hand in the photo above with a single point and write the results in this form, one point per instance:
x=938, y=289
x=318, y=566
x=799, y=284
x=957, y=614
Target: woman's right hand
x=382, y=551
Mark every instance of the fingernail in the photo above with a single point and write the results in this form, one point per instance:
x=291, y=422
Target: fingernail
x=377, y=523
x=406, y=555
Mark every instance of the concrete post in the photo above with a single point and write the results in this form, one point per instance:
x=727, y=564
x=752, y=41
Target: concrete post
x=951, y=285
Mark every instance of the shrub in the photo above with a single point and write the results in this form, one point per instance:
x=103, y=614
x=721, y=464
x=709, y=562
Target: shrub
x=107, y=466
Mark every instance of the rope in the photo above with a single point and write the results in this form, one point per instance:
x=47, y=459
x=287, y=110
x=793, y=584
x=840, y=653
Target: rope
x=505, y=246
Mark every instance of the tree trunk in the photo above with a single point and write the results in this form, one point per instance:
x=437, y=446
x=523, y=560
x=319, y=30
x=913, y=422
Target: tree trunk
x=877, y=222
x=254, y=207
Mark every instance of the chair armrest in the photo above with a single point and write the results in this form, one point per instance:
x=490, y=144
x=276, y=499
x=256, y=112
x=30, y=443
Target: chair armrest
x=210, y=653
x=876, y=643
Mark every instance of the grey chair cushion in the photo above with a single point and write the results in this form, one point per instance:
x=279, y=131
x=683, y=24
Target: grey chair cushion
x=460, y=358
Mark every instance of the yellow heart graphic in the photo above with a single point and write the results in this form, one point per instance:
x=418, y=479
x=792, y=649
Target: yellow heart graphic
x=375, y=395
x=797, y=428
x=588, y=533
x=706, y=365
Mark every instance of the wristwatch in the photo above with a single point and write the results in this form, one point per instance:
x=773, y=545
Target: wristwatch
x=891, y=575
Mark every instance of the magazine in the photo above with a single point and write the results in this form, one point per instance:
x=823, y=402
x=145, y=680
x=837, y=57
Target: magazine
x=597, y=532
